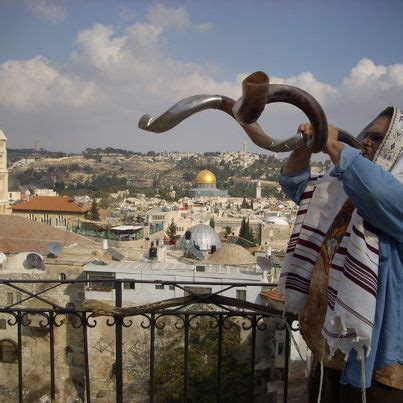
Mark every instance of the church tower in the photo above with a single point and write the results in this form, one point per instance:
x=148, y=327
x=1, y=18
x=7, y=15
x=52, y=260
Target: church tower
x=3, y=174
x=259, y=190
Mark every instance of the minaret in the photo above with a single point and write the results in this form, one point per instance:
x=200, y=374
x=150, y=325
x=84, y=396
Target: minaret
x=259, y=190
x=3, y=174
x=244, y=146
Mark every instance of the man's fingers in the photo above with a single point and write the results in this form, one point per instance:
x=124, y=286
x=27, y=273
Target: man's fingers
x=305, y=128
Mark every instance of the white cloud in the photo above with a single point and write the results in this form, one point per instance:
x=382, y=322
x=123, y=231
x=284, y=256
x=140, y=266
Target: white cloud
x=367, y=77
x=97, y=47
x=163, y=16
x=205, y=27
x=126, y=74
x=35, y=83
x=47, y=10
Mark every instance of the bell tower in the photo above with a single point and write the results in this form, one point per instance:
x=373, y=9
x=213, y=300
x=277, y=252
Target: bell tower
x=3, y=174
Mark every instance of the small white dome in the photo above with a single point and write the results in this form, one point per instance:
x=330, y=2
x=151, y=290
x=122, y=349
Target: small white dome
x=203, y=236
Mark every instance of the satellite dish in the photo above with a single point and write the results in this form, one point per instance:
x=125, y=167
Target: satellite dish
x=264, y=263
x=54, y=249
x=34, y=261
x=196, y=253
x=115, y=254
x=3, y=258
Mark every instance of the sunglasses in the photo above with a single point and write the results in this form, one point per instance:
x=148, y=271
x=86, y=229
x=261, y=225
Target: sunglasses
x=375, y=137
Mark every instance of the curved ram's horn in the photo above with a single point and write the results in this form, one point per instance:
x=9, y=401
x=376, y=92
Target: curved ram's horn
x=256, y=93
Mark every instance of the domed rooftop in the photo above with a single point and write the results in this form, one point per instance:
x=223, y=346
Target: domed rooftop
x=205, y=177
x=204, y=237
x=231, y=254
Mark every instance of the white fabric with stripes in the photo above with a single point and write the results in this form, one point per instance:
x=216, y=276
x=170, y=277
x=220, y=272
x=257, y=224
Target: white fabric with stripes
x=353, y=273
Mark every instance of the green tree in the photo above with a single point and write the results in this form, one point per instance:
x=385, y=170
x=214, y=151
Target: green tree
x=235, y=369
x=212, y=223
x=250, y=235
x=171, y=231
x=93, y=214
x=227, y=230
x=242, y=230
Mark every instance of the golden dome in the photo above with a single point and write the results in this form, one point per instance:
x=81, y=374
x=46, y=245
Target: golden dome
x=204, y=177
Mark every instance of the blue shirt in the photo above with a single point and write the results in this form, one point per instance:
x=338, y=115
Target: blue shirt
x=378, y=197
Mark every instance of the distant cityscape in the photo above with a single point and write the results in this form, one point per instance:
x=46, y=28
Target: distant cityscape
x=151, y=222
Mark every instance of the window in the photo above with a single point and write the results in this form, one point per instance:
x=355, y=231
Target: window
x=10, y=298
x=8, y=351
x=200, y=268
x=100, y=275
x=197, y=290
x=172, y=287
x=159, y=287
x=19, y=297
x=62, y=276
x=129, y=285
x=3, y=324
x=241, y=294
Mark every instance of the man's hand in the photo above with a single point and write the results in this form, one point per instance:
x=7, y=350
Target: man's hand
x=333, y=146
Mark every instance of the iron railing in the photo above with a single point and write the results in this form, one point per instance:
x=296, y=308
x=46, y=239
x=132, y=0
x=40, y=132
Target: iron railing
x=220, y=322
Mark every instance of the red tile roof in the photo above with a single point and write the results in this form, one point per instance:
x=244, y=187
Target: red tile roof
x=273, y=294
x=17, y=234
x=50, y=203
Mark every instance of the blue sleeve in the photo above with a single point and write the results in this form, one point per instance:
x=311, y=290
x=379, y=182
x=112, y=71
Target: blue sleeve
x=377, y=194
x=294, y=185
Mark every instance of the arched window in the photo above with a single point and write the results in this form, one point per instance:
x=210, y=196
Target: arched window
x=62, y=276
x=8, y=351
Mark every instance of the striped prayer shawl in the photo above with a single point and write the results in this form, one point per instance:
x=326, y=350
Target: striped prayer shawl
x=353, y=273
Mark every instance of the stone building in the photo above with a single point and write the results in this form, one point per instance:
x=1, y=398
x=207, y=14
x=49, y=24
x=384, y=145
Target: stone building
x=57, y=211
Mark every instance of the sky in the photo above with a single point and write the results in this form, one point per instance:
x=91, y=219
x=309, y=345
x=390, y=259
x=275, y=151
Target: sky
x=80, y=73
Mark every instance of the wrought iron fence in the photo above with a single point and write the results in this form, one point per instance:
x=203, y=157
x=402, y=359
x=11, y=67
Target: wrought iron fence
x=198, y=347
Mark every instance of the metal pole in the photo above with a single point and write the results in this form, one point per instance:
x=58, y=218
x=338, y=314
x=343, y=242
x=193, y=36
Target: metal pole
x=118, y=344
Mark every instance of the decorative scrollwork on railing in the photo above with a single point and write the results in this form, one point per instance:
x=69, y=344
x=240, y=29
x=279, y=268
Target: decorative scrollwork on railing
x=46, y=322
x=89, y=320
x=180, y=324
x=226, y=323
x=111, y=321
x=261, y=322
x=195, y=321
x=14, y=319
x=146, y=322
x=57, y=319
x=160, y=323
x=128, y=323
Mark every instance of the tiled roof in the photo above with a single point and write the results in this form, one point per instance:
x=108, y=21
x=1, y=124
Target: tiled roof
x=50, y=203
x=274, y=295
x=18, y=234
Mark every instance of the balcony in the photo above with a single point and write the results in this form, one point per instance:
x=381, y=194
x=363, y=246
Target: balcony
x=199, y=347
